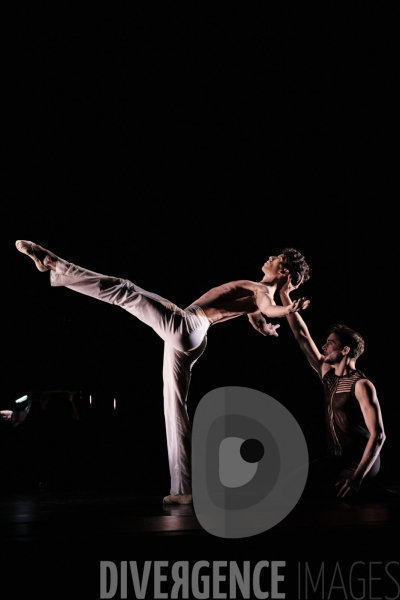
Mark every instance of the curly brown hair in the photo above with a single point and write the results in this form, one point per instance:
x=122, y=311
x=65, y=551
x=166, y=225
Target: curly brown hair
x=295, y=262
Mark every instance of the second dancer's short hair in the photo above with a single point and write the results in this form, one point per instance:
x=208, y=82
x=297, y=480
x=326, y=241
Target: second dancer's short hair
x=349, y=337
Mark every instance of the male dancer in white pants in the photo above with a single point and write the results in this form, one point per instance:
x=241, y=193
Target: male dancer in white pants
x=183, y=331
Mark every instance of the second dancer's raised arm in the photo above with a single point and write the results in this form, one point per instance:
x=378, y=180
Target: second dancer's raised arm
x=301, y=332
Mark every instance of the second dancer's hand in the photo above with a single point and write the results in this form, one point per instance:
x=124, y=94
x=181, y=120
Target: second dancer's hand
x=351, y=484
x=288, y=285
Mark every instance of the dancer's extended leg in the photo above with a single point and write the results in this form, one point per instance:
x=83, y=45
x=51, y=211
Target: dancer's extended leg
x=184, y=334
x=177, y=374
x=182, y=329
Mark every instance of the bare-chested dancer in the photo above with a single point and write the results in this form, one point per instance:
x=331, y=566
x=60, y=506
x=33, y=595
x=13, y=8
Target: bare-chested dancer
x=184, y=331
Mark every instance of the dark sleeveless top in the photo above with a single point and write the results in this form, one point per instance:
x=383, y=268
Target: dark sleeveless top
x=346, y=432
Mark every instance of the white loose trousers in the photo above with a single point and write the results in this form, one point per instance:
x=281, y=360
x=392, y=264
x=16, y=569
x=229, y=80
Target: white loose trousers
x=185, y=338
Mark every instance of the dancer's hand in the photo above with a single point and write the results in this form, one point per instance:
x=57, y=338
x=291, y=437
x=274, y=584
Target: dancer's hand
x=6, y=415
x=351, y=484
x=259, y=323
x=299, y=304
x=288, y=286
x=270, y=329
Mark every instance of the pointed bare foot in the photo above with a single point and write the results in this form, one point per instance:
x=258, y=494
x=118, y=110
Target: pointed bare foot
x=178, y=499
x=44, y=260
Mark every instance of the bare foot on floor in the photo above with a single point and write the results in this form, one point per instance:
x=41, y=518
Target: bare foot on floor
x=43, y=259
x=178, y=499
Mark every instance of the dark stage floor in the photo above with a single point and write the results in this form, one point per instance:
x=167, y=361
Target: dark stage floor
x=52, y=542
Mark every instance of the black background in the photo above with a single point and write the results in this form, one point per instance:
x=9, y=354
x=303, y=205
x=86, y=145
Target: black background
x=179, y=146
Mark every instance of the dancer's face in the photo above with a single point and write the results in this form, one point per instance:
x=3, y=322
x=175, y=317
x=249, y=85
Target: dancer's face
x=333, y=350
x=273, y=266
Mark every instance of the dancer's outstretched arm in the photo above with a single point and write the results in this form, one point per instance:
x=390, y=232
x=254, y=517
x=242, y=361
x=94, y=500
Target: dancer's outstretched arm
x=258, y=321
x=274, y=311
x=301, y=332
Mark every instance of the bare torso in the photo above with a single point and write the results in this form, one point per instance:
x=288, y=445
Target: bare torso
x=233, y=299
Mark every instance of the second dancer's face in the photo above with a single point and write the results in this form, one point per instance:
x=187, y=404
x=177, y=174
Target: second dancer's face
x=332, y=350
